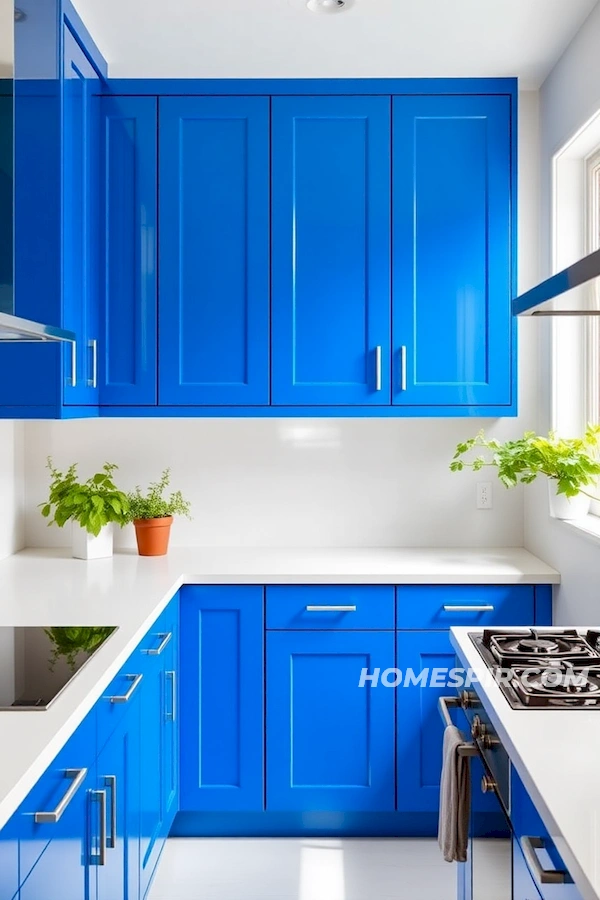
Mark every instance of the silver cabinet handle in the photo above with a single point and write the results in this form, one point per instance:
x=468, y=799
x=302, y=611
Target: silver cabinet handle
x=403, y=368
x=72, y=381
x=78, y=777
x=99, y=858
x=377, y=368
x=543, y=876
x=124, y=698
x=93, y=381
x=111, y=782
x=172, y=715
x=330, y=609
x=484, y=607
x=165, y=640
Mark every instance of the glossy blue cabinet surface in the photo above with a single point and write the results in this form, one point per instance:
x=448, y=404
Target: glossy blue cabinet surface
x=330, y=743
x=452, y=253
x=214, y=251
x=312, y=607
x=222, y=731
x=438, y=607
x=331, y=250
x=9, y=860
x=81, y=86
x=128, y=342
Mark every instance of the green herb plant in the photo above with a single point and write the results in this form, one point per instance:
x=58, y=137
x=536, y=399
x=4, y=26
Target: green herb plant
x=92, y=503
x=571, y=462
x=153, y=505
x=70, y=642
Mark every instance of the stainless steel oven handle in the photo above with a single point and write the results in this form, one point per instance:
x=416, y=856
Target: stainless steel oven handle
x=543, y=876
x=444, y=705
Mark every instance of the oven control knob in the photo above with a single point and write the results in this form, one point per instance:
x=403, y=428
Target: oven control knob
x=488, y=784
x=477, y=727
x=467, y=699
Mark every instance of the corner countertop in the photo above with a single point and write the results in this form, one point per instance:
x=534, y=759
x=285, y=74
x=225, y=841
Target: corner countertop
x=555, y=753
x=47, y=587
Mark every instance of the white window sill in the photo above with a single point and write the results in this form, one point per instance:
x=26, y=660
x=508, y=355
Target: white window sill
x=588, y=527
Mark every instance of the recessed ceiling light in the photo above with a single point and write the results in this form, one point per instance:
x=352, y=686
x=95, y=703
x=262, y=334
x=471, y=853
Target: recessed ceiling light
x=329, y=6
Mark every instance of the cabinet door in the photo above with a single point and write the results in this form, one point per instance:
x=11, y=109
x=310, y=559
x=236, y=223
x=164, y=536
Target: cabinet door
x=214, y=251
x=81, y=87
x=128, y=354
x=330, y=742
x=118, y=769
x=222, y=689
x=420, y=730
x=452, y=323
x=9, y=860
x=331, y=251
x=170, y=719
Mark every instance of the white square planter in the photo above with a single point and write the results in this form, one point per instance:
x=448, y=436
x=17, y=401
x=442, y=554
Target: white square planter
x=86, y=546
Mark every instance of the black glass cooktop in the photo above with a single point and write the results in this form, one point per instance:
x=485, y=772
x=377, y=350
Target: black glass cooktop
x=36, y=663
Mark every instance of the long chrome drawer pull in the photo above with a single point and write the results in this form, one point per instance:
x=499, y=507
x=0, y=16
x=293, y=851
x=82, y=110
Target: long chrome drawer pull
x=93, y=381
x=73, y=379
x=543, y=876
x=484, y=607
x=111, y=782
x=165, y=638
x=402, y=368
x=330, y=609
x=99, y=858
x=377, y=368
x=78, y=777
x=444, y=705
x=172, y=715
x=124, y=698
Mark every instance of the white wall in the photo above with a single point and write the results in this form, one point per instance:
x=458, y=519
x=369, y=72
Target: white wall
x=569, y=98
x=12, y=531
x=298, y=482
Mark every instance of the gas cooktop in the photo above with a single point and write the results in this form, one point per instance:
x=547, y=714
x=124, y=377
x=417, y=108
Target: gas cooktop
x=36, y=664
x=537, y=669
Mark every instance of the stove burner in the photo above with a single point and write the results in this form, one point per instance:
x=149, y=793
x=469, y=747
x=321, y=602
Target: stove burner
x=567, y=683
x=538, y=645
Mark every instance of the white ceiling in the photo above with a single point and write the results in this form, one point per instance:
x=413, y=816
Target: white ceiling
x=376, y=38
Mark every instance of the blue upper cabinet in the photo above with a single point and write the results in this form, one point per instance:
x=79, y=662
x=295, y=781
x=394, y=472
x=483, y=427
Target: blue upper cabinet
x=214, y=251
x=81, y=86
x=452, y=324
x=330, y=338
x=128, y=351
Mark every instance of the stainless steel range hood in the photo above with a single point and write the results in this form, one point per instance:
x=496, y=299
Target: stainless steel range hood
x=578, y=288
x=13, y=328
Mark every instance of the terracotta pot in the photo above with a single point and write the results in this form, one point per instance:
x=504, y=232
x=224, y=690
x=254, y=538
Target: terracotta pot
x=153, y=535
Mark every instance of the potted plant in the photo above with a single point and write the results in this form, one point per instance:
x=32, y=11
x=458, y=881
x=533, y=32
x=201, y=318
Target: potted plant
x=92, y=506
x=570, y=464
x=152, y=515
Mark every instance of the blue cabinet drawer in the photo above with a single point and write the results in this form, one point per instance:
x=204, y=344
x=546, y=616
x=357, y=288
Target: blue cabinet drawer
x=536, y=845
x=327, y=607
x=118, y=696
x=442, y=606
x=61, y=787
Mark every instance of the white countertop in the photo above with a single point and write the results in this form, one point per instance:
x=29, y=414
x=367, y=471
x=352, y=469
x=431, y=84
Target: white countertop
x=47, y=587
x=557, y=756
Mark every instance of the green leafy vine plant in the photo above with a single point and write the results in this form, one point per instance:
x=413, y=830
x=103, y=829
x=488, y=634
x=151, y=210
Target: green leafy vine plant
x=69, y=642
x=92, y=503
x=571, y=462
x=153, y=505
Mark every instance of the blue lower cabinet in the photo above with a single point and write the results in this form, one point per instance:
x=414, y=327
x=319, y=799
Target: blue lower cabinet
x=9, y=860
x=330, y=742
x=158, y=754
x=222, y=688
x=60, y=825
x=118, y=786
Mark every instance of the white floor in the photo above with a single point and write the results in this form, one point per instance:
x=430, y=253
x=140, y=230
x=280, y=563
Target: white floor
x=303, y=869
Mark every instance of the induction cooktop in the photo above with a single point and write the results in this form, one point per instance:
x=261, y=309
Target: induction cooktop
x=37, y=663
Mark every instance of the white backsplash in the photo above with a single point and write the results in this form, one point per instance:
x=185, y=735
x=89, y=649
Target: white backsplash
x=289, y=482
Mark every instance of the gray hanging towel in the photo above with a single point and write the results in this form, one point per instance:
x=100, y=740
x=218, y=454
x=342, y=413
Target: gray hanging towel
x=455, y=798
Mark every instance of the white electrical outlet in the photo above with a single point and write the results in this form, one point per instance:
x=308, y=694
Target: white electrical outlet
x=484, y=495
